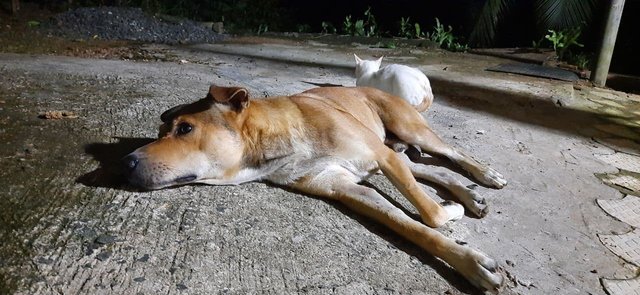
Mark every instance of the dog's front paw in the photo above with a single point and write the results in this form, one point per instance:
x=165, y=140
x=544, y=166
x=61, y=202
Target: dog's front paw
x=480, y=270
x=492, y=178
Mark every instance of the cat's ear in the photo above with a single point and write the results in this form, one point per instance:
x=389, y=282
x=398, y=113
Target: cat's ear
x=358, y=60
x=380, y=60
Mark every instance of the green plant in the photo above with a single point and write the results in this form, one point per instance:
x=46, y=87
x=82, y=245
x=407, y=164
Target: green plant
x=303, y=28
x=367, y=27
x=347, y=25
x=405, y=28
x=457, y=47
x=263, y=28
x=33, y=23
x=328, y=28
x=371, y=24
x=581, y=60
x=358, y=28
x=563, y=40
x=537, y=44
x=410, y=31
x=440, y=35
x=417, y=32
x=563, y=43
x=444, y=37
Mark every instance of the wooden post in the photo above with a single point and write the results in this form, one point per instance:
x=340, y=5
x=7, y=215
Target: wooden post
x=601, y=68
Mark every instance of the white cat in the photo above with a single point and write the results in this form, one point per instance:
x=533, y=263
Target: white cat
x=403, y=81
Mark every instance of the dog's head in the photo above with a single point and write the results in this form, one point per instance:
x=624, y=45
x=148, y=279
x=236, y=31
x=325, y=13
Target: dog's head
x=198, y=142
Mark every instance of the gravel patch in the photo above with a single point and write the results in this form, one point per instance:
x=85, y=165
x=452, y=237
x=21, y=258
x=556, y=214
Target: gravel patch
x=124, y=23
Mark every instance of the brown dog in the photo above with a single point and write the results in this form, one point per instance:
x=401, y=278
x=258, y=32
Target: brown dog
x=324, y=142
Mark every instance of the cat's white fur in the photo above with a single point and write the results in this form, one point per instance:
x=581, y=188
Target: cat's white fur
x=400, y=80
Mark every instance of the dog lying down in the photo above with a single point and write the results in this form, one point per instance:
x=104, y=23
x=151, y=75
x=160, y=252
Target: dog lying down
x=322, y=142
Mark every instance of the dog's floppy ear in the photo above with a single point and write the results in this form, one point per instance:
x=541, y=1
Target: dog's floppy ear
x=169, y=114
x=236, y=97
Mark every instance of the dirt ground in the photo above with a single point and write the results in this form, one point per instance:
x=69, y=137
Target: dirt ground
x=69, y=227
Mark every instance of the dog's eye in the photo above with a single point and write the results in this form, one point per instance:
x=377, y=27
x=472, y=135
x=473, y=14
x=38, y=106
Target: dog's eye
x=184, y=128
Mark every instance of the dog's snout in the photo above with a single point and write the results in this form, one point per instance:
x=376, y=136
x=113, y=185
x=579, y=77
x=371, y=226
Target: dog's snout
x=130, y=162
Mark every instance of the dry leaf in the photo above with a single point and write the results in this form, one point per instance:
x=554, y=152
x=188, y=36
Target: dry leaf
x=55, y=115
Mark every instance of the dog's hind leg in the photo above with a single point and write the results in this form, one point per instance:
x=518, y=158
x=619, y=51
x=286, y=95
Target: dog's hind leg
x=473, y=201
x=400, y=119
x=413, y=130
x=338, y=184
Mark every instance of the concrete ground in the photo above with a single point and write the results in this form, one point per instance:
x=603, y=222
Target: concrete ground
x=68, y=227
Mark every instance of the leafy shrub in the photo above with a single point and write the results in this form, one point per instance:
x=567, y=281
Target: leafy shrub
x=410, y=31
x=563, y=40
x=328, y=28
x=445, y=38
x=360, y=27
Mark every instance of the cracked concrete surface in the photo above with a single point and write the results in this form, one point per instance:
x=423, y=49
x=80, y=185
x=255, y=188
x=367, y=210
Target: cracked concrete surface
x=66, y=228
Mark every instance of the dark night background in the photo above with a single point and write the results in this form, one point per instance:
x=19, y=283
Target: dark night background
x=517, y=27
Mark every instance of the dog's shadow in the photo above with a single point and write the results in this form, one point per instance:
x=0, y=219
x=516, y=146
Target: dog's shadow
x=456, y=280
x=109, y=173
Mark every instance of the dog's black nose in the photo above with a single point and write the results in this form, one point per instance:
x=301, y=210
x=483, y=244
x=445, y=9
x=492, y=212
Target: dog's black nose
x=130, y=162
